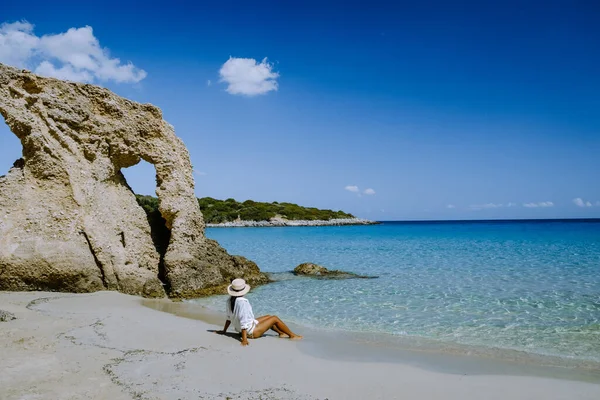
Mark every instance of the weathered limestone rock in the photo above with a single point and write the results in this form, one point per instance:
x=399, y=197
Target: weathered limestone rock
x=210, y=276
x=310, y=269
x=317, y=271
x=68, y=219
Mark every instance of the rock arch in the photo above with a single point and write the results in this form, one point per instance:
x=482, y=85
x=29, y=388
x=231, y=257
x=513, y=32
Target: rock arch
x=68, y=220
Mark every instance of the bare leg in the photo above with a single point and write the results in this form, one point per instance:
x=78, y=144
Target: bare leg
x=274, y=327
x=271, y=323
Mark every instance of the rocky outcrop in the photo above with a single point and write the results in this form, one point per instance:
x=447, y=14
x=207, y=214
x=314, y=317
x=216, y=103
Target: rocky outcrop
x=317, y=271
x=213, y=272
x=68, y=219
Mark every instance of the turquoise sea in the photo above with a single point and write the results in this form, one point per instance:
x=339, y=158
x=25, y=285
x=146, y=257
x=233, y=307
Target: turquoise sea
x=532, y=286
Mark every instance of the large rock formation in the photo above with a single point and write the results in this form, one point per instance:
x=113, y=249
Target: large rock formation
x=68, y=219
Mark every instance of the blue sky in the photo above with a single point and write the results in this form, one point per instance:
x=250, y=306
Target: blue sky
x=445, y=110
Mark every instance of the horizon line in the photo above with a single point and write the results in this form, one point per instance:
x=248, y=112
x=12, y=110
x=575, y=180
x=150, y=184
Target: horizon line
x=589, y=219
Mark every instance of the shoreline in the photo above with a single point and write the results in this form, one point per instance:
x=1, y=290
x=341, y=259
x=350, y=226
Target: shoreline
x=425, y=353
x=108, y=345
x=280, y=222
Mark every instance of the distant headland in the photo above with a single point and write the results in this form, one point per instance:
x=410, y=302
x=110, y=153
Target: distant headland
x=275, y=222
x=231, y=213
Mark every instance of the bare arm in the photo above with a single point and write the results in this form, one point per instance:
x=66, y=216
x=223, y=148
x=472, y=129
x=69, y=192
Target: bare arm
x=244, y=338
x=227, y=323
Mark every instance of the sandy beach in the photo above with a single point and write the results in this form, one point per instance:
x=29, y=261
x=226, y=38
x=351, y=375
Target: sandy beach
x=107, y=345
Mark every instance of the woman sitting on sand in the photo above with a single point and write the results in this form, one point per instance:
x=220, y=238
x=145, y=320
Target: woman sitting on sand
x=239, y=310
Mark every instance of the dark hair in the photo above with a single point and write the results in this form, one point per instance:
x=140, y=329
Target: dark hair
x=232, y=300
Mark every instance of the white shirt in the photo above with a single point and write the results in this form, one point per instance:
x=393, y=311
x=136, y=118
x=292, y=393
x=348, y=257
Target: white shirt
x=242, y=316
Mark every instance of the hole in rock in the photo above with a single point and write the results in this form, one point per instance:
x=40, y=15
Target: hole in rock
x=10, y=149
x=141, y=178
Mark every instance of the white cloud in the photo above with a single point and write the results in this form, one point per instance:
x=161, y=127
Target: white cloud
x=543, y=204
x=199, y=173
x=247, y=77
x=352, y=188
x=369, y=191
x=485, y=206
x=66, y=72
x=73, y=55
x=208, y=82
x=450, y=206
x=511, y=204
x=579, y=202
x=17, y=43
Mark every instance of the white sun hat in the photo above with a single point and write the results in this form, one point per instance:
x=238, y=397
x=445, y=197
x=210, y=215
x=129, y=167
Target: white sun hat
x=238, y=287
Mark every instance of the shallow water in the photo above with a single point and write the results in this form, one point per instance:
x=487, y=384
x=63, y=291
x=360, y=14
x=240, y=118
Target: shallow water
x=528, y=286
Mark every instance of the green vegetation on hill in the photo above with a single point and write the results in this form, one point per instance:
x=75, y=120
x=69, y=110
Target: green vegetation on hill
x=218, y=211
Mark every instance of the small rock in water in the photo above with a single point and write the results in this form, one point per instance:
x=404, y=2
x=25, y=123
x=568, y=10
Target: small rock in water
x=310, y=269
x=318, y=271
x=6, y=316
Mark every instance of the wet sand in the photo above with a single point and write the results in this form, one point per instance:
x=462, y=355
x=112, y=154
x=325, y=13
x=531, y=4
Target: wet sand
x=422, y=353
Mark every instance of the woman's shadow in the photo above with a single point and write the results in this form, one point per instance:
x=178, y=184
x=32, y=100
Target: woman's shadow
x=232, y=335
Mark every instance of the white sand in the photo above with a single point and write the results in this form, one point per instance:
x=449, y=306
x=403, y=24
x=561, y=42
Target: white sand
x=106, y=345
